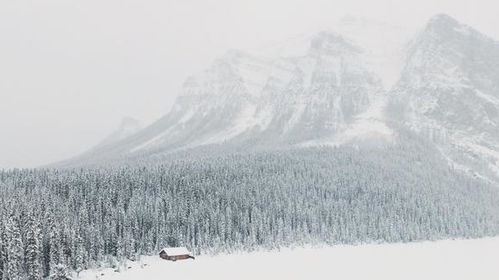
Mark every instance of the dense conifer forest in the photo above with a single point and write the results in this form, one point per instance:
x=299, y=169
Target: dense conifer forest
x=57, y=220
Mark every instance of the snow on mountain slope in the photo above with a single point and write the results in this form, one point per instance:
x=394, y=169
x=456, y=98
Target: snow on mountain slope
x=449, y=90
x=448, y=259
x=127, y=127
x=383, y=44
x=355, y=85
x=307, y=90
x=322, y=94
x=242, y=98
x=367, y=126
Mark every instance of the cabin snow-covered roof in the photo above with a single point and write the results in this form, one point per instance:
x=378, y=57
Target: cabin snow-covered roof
x=176, y=251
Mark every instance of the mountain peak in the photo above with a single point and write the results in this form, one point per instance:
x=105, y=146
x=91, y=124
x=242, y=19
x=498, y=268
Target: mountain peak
x=443, y=19
x=444, y=36
x=332, y=43
x=447, y=27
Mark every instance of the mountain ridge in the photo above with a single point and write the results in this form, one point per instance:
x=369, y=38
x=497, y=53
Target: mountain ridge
x=334, y=94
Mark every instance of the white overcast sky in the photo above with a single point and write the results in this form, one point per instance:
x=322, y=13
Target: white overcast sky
x=71, y=70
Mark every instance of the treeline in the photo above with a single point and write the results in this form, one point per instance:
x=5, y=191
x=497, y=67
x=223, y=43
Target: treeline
x=72, y=219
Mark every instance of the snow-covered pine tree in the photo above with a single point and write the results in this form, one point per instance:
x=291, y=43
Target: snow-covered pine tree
x=14, y=268
x=59, y=272
x=3, y=249
x=55, y=249
x=79, y=254
x=33, y=252
x=129, y=244
x=239, y=202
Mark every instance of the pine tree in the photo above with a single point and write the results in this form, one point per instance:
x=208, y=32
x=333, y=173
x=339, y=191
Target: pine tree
x=55, y=249
x=79, y=255
x=33, y=252
x=59, y=272
x=3, y=250
x=234, y=202
x=14, y=268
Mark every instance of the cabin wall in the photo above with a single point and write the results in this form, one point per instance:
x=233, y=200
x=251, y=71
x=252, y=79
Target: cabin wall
x=171, y=258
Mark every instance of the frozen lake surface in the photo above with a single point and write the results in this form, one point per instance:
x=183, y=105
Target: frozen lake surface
x=449, y=259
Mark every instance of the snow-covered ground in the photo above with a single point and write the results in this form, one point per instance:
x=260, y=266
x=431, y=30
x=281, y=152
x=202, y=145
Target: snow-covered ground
x=453, y=259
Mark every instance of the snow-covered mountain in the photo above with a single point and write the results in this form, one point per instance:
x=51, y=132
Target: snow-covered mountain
x=244, y=98
x=449, y=92
x=345, y=85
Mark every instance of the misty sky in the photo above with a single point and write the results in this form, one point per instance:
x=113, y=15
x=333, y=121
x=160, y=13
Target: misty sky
x=71, y=70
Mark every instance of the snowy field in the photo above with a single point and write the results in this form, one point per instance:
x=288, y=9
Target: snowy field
x=456, y=259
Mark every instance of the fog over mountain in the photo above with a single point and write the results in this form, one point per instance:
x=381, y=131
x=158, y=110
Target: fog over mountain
x=71, y=71
x=338, y=87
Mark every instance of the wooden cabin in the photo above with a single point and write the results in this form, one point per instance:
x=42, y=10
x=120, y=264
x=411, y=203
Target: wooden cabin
x=173, y=254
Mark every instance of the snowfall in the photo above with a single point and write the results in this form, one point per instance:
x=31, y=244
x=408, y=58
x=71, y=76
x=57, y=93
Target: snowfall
x=449, y=259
